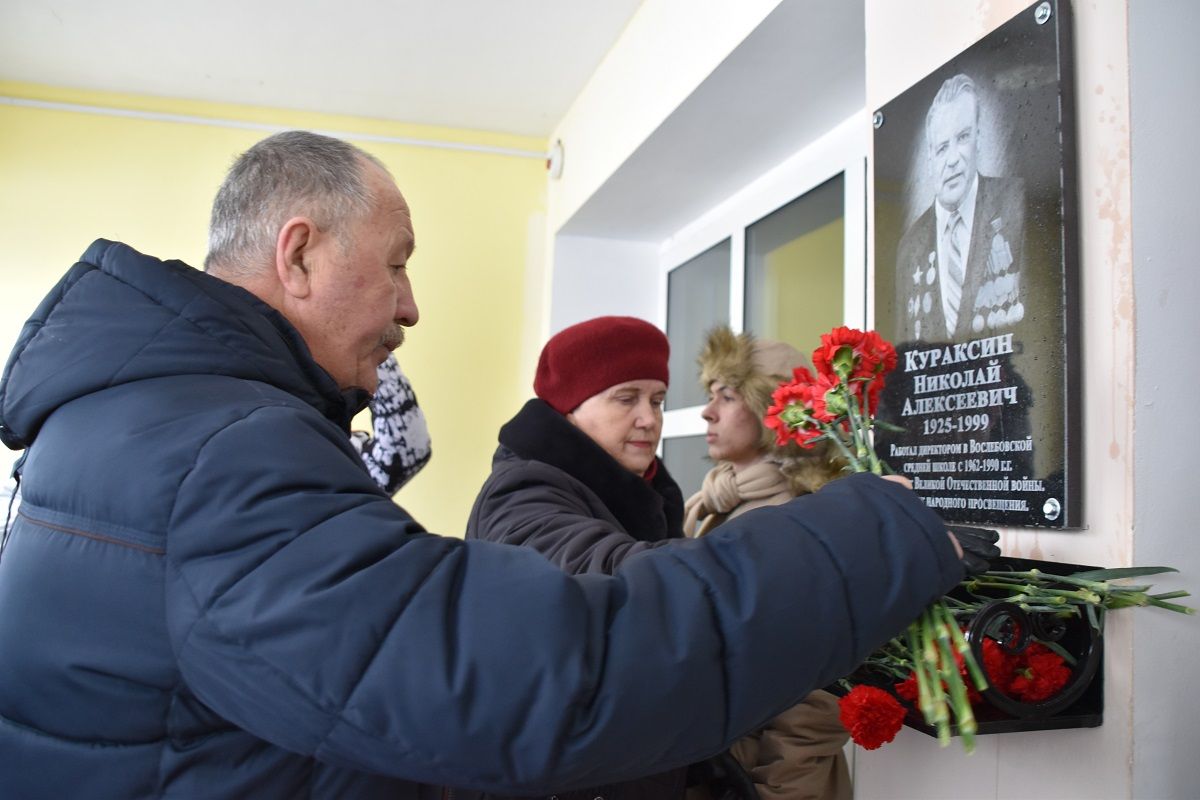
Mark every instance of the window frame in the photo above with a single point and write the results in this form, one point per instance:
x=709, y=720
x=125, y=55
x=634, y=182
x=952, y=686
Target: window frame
x=842, y=150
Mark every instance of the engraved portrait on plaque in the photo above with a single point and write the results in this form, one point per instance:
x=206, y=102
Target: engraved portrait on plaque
x=975, y=278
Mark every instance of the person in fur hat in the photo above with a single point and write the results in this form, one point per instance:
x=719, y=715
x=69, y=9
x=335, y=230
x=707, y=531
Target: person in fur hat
x=799, y=753
x=739, y=374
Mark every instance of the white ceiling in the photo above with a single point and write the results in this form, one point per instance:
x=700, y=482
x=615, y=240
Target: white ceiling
x=796, y=77
x=509, y=66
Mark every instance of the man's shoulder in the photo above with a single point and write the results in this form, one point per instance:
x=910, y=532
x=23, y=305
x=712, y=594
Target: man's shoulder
x=1001, y=183
x=922, y=228
x=1001, y=189
x=188, y=411
x=215, y=391
x=1002, y=204
x=918, y=244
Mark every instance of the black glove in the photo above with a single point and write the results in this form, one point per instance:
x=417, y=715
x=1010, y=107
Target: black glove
x=978, y=546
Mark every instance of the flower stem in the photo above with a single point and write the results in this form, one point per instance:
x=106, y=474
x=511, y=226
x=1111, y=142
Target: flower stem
x=963, y=716
x=964, y=649
x=939, y=712
x=834, y=436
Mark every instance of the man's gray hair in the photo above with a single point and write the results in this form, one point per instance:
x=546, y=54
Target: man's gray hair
x=951, y=89
x=285, y=175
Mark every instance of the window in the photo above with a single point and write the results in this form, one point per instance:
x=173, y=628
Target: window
x=687, y=460
x=697, y=299
x=794, y=268
x=784, y=258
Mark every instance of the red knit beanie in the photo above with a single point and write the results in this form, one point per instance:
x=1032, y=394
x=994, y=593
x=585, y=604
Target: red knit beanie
x=585, y=359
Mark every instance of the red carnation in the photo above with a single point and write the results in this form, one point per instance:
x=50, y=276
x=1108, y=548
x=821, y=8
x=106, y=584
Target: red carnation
x=872, y=716
x=998, y=665
x=879, y=352
x=868, y=355
x=827, y=403
x=799, y=391
x=802, y=434
x=907, y=688
x=793, y=413
x=823, y=357
x=838, y=402
x=1042, y=675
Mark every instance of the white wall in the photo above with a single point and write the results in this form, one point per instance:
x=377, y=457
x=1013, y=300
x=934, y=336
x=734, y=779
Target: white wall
x=906, y=41
x=666, y=51
x=1163, y=69
x=1146, y=746
x=593, y=277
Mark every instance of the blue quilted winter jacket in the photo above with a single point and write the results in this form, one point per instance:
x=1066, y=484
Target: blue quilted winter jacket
x=204, y=594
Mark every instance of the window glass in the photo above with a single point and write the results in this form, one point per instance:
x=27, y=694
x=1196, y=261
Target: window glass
x=687, y=460
x=697, y=299
x=794, y=268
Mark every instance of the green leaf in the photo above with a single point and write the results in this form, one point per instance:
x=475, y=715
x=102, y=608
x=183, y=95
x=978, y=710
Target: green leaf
x=1120, y=572
x=1172, y=595
x=1057, y=648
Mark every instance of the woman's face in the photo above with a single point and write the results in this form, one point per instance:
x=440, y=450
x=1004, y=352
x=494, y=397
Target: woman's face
x=625, y=420
x=734, y=432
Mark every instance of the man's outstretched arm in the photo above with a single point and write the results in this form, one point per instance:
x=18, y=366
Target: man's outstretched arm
x=305, y=609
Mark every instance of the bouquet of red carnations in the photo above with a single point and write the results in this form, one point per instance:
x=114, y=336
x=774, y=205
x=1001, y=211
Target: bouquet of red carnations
x=932, y=666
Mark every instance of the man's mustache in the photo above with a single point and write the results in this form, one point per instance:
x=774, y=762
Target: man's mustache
x=393, y=337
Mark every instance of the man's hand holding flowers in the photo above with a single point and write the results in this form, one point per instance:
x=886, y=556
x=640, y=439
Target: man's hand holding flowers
x=931, y=666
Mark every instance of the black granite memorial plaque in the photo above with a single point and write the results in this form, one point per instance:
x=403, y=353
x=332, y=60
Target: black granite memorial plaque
x=976, y=273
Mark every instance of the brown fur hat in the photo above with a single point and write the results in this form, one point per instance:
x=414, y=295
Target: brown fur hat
x=754, y=368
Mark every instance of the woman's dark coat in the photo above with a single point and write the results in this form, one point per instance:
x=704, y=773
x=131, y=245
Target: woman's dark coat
x=553, y=489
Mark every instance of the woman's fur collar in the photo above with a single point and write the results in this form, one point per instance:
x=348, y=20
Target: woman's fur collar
x=650, y=510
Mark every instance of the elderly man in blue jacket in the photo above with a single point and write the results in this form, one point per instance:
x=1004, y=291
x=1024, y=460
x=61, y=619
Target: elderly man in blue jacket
x=205, y=594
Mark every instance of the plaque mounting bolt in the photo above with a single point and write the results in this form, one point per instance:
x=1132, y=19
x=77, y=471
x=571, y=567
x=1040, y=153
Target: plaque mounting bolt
x=1051, y=509
x=1042, y=13
x=877, y=120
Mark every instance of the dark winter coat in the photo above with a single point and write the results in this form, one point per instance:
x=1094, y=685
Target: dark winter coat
x=554, y=489
x=204, y=594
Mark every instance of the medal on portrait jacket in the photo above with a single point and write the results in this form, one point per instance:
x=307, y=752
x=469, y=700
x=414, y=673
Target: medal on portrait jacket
x=998, y=302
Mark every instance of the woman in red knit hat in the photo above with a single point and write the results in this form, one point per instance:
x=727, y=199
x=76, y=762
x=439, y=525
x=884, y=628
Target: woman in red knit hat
x=582, y=452
x=577, y=477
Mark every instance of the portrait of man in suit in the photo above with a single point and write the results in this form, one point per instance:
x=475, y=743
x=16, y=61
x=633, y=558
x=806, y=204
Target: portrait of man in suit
x=975, y=278
x=959, y=264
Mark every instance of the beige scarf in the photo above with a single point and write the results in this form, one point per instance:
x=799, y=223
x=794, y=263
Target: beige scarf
x=726, y=493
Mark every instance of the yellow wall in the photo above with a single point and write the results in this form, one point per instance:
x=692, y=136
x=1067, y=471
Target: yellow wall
x=804, y=287
x=67, y=178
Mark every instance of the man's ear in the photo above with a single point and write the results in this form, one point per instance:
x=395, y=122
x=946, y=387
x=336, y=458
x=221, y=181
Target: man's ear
x=293, y=246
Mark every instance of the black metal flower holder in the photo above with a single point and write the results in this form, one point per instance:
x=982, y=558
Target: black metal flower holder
x=1079, y=704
